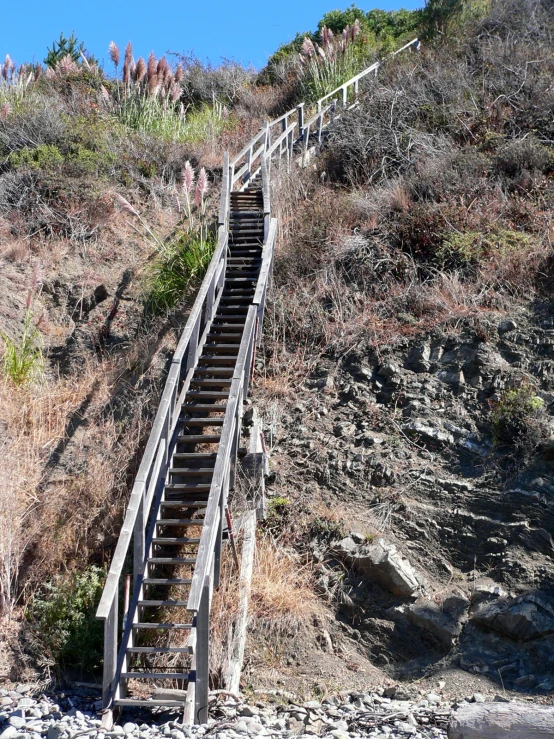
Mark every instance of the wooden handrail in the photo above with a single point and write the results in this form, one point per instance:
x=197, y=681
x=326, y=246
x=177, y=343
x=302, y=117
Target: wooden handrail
x=162, y=422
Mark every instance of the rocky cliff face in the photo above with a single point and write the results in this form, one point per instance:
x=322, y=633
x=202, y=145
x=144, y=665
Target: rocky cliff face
x=449, y=559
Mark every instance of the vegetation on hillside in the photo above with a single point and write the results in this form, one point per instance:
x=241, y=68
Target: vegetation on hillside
x=430, y=204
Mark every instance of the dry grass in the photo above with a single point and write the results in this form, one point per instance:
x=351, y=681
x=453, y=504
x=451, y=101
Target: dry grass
x=68, y=459
x=283, y=600
x=283, y=596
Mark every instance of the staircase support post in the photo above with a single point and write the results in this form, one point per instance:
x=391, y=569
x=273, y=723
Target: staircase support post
x=110, y=654
x=201, y=691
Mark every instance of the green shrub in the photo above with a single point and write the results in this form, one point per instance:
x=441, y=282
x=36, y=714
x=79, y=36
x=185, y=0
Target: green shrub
x=206, y=123
x=177, y=269
x=469, y=248
x=22, y=361
x=63, y=618
x=519, y=421
x=45, y=157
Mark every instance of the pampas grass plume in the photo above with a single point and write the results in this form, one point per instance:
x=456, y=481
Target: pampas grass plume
x=188, y=177
x=140, y=70
x=125, y=205
x=114, y=53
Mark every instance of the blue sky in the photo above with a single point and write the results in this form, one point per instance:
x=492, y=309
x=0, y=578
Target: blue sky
x=212, y=29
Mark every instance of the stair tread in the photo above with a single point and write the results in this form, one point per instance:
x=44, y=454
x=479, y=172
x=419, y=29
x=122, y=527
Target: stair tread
x=160, y=540
x=167, y=581
x=159, y=625
x=148, y=702
x=185, y=504
x=172, y=560
x=159, y=650
x=163, y=603
x=156, y=675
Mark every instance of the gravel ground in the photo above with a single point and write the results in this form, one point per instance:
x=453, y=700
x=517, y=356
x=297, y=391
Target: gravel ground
x=26, y=714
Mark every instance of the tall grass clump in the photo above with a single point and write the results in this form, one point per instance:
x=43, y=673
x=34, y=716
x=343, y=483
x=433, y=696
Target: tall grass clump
x=328, y=65
x=147, y=98
x=182, y=263
x=22, y=361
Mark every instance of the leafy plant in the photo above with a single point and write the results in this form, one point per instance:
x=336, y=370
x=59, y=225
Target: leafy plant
x=63, y=616
x=22, y=360
x=519, y=421
x=179, y=267
x=45, y=156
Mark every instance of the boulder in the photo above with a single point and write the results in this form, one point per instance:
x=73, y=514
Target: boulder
x=444, y=624
x=380, y=563
x=530, y=616
x=427, y=432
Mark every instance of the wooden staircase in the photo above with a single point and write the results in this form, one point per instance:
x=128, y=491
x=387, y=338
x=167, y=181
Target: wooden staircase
x=175, y=519
x=159, y=651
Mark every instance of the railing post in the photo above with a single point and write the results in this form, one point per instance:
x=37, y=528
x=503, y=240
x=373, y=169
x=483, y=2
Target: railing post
x=225, y=188
x=344, y=96
x=248, y=172
x=202, y=656
x=139, y=538
x=110, y=654
x=356, y=89
x=300, y=109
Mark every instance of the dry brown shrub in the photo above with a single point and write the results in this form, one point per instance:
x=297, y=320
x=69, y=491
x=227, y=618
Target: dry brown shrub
x=283, y=600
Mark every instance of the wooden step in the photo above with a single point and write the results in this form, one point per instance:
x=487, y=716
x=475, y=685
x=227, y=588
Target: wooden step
x=187, y=488
x=217, y=361
x=196, y=455
x=216, y=348
x=191, y=471
x=171, y=560
x=236, y=338
x=184, y=504
x=159, y=626
x=160, y=650
x=180, y=522
x=146, y=702
x=235, y=328
x=211, y=382
x=163, y=603
x=171, y=540
x=234, y=309
x=208, y=394
x=155, y=675
x=167, y=581
x=202, y=421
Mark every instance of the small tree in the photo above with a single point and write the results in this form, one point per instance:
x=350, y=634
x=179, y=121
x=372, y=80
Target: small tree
x=68, y=47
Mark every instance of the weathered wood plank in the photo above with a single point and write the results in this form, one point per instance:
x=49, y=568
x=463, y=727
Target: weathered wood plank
x=232, y=673
x=201, y=691
x=502, y=721
x=110, y=653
